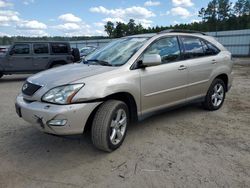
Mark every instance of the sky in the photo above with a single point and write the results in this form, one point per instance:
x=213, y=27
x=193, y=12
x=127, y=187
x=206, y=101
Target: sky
x=87, y=18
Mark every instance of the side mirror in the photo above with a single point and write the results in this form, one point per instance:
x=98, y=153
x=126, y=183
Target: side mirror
x=151, y=60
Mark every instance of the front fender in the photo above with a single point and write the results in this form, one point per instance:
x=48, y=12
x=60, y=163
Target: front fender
x=101, y=86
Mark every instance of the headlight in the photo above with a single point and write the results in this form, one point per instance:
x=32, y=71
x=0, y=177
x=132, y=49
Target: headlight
x=62, y=94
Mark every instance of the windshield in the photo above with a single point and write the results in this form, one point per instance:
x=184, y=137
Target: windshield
x=87, y=50
x=117, y=52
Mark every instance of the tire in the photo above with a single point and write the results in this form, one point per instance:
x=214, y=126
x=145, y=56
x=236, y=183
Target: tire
x=107, y=134
x=1, y=75
x=76, y=54
x=215, y=95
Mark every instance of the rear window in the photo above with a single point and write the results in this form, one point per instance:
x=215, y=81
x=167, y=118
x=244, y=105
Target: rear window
x=212, y=50
x=193, y=47
x=59, y=48
x=41, y=48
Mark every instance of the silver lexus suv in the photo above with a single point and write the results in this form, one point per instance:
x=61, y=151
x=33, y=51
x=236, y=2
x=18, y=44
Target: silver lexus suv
x=127, y=80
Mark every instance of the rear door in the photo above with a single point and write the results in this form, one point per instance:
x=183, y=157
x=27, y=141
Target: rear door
x=20, y=58
x=165, y=84
x=61, y=52
x=41, y=56
x=201, y=63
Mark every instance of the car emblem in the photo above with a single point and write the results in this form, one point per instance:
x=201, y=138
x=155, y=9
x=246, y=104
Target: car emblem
x=25, y=86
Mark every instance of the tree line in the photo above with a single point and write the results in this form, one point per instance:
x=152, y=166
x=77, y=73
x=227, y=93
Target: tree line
x=5, y=40
x=218, y=15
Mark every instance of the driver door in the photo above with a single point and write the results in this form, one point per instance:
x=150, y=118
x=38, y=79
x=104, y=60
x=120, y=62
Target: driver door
x=20, y=58
x=166, y=84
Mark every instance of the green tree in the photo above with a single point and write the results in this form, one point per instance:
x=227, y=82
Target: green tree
x=120, y=30
x=210, y=13
x=109, y=28
x=224, y=9
x=242, y=7
x=131, y=27
x=139, y=29
x=202, y=14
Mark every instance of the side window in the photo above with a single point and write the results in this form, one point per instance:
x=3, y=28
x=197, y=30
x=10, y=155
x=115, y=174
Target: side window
x=193, y=47
x=167, y=48
x=211, y=49
x=41, y=48
x=21, y=49
x=59, y=48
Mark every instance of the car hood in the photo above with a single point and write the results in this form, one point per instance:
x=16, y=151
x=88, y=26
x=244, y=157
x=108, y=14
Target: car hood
x=67, y=74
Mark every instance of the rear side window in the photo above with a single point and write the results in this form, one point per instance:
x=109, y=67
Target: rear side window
x=192, y=47
x=167, y=48
x=41, y=48
x=20, y=49
x=59, y=48
x=210, y=49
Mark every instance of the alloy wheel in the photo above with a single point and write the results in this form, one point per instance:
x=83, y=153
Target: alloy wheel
x=118, y=127
x=218, y=95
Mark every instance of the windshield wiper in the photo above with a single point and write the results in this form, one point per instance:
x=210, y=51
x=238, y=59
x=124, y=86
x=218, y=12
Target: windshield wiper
x=100, y=62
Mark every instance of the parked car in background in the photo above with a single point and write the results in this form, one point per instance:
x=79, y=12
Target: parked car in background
x=3, y=49
x=86, y=51
x=32, y=57
x=129, y=79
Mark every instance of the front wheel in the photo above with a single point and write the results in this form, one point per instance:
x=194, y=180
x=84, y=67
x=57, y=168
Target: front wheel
x=215, y=95
x=110, y=125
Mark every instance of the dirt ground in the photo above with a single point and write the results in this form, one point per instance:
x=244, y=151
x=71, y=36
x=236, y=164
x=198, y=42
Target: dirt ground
x=187, y=147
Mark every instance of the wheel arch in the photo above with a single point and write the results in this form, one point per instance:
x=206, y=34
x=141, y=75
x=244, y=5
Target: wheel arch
x=125, y=97
x=224, y=78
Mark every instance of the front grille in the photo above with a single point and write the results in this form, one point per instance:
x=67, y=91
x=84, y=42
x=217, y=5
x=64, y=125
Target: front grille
x=29, y=88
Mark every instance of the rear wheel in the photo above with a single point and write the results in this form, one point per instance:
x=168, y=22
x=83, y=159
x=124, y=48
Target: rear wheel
x=215, y=95
x=110, y=125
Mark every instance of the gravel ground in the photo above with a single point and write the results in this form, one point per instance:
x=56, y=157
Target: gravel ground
x=186, y=147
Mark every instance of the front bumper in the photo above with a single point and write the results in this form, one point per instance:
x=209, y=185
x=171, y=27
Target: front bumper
x=40, y=113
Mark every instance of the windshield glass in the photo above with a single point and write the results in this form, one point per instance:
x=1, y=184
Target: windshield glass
x=87, y=50
x=117, y=52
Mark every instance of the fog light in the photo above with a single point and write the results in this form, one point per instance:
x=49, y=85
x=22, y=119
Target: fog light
x=57, y=122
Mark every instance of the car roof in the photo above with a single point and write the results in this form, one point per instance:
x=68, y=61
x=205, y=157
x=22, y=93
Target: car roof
x=148, y=35
x=41, y=42
x=169, y=31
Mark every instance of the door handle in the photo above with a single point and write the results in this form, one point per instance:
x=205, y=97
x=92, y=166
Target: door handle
x=214, y=61
x=182, y=67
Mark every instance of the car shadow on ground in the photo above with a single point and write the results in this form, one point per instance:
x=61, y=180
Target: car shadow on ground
x=33, y=146
x=33, y=149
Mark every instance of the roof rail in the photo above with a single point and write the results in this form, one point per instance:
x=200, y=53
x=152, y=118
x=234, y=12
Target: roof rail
x=181, y=31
